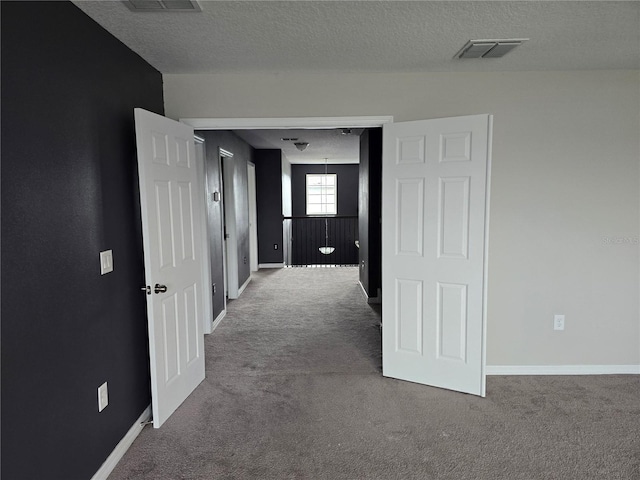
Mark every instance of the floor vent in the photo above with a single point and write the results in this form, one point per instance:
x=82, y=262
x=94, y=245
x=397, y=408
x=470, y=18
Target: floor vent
x=163, y=5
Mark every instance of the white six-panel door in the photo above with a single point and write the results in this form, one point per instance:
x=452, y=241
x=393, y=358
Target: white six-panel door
x=435, y=200
x=171, y=203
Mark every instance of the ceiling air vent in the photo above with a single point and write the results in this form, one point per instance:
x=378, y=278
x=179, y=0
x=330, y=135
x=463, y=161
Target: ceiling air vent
x=163, y=5
x=489, y=48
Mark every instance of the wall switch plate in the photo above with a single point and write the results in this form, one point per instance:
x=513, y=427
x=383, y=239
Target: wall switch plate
x=103, y=397
x=106, y=262
x=558, y=322
x=214, y=288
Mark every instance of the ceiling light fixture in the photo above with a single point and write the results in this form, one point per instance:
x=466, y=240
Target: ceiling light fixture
x=286, y=139
x=301, y=145
x=489, y=48
x=346, y=131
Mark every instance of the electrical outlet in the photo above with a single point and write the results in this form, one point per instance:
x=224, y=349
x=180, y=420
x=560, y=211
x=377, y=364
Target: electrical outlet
x=106, y=262
x=275, y=246
x=214, y=288
x=558, y=322
x=103, y=397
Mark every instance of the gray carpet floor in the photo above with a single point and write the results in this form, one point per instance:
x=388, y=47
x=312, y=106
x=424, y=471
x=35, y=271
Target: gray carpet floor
x=294, y=391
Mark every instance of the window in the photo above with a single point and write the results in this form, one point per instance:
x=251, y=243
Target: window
x=322, y=194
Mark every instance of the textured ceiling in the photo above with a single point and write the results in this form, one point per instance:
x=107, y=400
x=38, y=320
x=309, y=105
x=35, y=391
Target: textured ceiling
x=329, y=144
x=376, y=36
x=371, y=36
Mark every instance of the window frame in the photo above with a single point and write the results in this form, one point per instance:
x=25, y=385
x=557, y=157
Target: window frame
x=323, y=188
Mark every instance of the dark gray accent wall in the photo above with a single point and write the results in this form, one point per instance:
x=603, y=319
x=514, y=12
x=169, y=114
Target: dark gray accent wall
x=242, y=154
x=309, y=234
x=347, y=187
x=269, y=201
x=69, y=190
x=370, y=207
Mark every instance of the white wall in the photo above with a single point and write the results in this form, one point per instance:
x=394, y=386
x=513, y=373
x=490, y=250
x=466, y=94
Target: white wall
x=566, y=177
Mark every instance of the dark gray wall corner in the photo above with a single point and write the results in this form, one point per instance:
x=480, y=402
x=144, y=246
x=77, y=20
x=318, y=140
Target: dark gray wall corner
x=269, y=195
x=370, y=207
x=69, y=190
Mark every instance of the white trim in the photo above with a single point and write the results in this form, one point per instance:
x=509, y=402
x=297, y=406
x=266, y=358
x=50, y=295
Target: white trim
x=364, y=292
x=207, y=313
x=116, y=455
x=485, y=267
x=285, y=122
x=271, y=265
x=208, y=328
x=563, y=370
x=230, y=171
x=218, y=320
x=370, y=300
x=244, y=285
x=225, y=281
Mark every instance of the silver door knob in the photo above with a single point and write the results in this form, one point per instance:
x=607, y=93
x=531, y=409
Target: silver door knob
x=159, y=288
x=146, y=289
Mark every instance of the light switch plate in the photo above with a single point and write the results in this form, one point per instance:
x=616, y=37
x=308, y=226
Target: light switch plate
x=103, y=397
x=106, y=262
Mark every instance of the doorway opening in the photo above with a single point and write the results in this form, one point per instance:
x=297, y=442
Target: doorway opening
x=285, y=248
x=430, y=167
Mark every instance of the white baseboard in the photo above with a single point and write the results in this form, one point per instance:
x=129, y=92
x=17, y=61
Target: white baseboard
x=244, y=285
x=369, y=299
x=364, y=292
x=270, y=265
x=563, y=369
x=112, y=460
x=218, y=320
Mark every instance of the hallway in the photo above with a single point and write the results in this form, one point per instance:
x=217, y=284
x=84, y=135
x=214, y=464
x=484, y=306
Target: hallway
x=294, y=390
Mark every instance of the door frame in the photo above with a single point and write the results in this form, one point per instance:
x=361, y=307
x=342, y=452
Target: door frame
x=276, y=123
x=271, y=123
x=200, y=151
x=223, y=155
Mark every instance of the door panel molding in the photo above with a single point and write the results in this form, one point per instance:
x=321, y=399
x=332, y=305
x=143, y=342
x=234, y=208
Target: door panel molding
x=172, y=215
x=435, y=236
